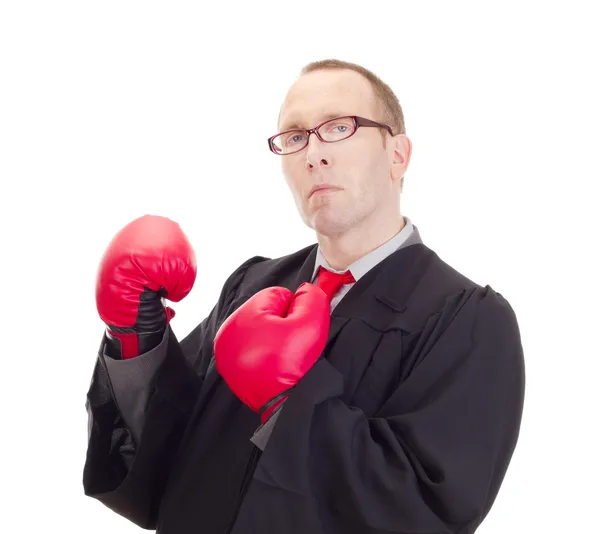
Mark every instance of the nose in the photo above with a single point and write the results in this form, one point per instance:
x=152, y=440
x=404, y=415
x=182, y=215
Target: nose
x=316, y=153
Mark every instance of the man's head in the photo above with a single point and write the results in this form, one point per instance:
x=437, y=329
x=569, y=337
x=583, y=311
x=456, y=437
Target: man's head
x=366, y=170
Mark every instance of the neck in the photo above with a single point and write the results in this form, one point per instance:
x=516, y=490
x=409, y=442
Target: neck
x=344, y=249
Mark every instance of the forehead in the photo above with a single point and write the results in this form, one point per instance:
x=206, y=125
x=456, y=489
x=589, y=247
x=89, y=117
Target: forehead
x=320, y=95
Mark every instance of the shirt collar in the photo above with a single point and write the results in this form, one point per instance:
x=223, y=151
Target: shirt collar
x=363, y=265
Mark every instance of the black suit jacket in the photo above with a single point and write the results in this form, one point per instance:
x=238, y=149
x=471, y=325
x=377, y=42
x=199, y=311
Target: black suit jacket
x=407, y=423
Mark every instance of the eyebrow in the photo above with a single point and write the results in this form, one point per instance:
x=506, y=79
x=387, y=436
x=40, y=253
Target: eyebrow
x=324, y=118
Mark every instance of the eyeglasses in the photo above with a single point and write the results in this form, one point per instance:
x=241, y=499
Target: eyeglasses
x=331, y=131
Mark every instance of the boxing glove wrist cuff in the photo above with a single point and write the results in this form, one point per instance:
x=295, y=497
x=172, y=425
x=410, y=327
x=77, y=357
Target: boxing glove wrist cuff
x=124, y=345
x=271, y=407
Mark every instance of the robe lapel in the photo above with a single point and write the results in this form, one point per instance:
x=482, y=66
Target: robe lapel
x=369, y=325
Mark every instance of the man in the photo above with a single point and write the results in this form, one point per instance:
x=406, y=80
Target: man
x=359, y=385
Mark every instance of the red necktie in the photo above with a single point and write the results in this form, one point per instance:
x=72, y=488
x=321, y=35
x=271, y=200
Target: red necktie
x=332, y=282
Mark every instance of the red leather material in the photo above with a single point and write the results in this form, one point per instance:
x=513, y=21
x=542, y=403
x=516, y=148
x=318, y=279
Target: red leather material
x=269, y=343
x=149, y=259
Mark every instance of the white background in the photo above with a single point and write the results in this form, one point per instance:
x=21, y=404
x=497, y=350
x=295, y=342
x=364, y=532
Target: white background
x=109, y=110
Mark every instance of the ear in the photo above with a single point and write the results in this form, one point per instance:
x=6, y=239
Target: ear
x=399, y=150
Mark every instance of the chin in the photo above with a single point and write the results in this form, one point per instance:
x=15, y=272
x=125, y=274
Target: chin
x=329, y=226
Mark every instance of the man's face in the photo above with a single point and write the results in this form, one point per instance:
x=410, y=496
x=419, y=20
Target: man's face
x=363, y=174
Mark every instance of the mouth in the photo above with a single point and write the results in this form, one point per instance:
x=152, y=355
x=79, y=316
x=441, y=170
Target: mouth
x=323, y=189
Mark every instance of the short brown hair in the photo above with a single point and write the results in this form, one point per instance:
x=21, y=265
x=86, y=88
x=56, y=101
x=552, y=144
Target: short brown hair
x=387, y=102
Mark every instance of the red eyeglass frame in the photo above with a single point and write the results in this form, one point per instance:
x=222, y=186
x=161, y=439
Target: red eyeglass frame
x=358, y=122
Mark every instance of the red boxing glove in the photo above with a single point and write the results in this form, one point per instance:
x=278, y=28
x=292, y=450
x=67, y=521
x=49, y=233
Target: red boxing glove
x=148, y=260
x=267, y=345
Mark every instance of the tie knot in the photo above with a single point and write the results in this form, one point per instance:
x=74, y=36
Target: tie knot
x=331, y=282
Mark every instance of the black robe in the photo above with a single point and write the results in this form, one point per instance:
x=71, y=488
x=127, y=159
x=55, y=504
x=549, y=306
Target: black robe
x=406, y=424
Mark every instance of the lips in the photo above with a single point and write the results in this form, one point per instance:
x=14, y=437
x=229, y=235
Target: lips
x=322, y=187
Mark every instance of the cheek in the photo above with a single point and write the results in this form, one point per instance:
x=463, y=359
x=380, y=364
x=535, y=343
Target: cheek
x=288, y=173
x=294, y=182
x=361, y=187
x=369, y=178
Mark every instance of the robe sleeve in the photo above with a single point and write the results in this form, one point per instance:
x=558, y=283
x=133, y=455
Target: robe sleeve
x=431, y=460
x=136, y=419
x=130, y=382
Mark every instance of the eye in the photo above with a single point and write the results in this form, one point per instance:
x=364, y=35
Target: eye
x=294, y=138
